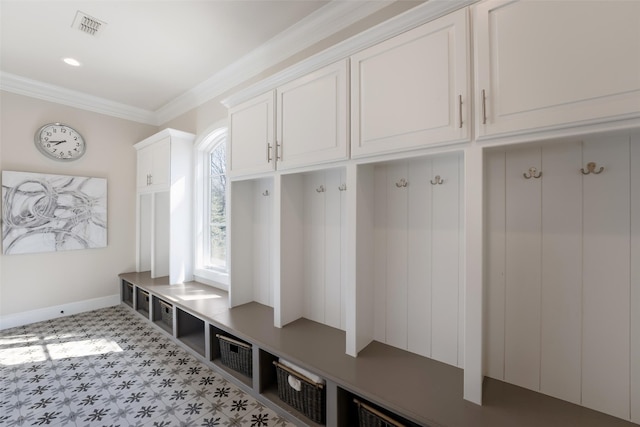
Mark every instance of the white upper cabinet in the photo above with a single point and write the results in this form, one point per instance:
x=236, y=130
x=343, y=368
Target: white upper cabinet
x=554, y=64
x=412, y=90
x=154, y=166
x=252, y=132
x=312, y=118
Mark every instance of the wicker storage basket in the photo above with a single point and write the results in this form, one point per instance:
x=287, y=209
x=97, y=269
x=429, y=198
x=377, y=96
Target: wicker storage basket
x=166, y=311
x=371, y=417
x=143, y=302
x=236, y=355
x=310, y=400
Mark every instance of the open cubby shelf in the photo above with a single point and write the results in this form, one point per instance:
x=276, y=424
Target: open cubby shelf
x=412, y=389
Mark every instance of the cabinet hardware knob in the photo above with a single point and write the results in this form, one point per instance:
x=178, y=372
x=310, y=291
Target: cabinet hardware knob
x=460, y=109
x=402, y=183
x=320, y=189
x=591, y=168
x=343, y=187
x=438, y=180
x=533, y=173
x=484, y=107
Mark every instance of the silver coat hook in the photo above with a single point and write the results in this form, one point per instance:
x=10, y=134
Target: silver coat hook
x=402, y=183
x=265, y=193
x=591, y=168
x=343, y=187
x=533, y=173
x=320, y=189
x=438, y=180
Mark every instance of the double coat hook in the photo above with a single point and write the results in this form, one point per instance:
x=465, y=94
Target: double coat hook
x=402, y=183
x=438, y=180
x=533, y=173
x=591, y=168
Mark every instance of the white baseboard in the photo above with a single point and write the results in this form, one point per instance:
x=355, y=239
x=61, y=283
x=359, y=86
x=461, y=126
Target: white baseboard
x=27, y=317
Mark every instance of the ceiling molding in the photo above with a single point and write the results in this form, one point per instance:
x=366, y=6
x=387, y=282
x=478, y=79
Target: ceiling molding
x=319, y=25
x=412, y=18
x=60, y=95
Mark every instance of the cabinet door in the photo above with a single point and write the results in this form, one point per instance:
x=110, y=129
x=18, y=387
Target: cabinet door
x=312, y=118
x=252, y=136
x=160, y=164
x=144, y=168
x=552, y=64
x=412, y=90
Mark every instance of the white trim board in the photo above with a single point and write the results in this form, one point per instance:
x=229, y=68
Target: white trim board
x=48, y=313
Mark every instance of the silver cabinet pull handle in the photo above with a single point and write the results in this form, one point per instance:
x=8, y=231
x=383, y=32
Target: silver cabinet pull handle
x=460, y=109
x=484, y=107
x=278, y=151
x=269, y=146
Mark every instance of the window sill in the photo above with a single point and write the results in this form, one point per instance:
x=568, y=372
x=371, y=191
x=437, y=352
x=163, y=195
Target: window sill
x=217, y=279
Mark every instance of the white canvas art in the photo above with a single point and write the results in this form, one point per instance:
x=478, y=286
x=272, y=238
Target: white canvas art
x=47, y=213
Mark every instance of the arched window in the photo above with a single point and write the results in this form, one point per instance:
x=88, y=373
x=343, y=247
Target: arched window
x=211, y=258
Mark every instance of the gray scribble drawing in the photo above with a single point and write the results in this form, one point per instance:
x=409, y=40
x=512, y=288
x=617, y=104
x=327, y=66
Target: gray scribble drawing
x=47, y=213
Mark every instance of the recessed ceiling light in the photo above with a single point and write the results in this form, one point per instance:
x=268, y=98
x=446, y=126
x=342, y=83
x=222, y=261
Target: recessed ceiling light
x=71, y=61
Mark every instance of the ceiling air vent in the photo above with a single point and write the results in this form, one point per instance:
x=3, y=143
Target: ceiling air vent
x=88, y=24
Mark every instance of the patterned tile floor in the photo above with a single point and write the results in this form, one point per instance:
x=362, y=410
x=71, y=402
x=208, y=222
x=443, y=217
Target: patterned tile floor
x=111, y=368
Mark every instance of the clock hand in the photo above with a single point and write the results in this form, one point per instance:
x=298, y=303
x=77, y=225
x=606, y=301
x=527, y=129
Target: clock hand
x=58, y=142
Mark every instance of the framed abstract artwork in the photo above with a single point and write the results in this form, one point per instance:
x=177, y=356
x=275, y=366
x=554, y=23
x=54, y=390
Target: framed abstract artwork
x=49, y=213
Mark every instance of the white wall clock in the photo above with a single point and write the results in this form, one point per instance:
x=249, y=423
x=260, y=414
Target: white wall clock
x=60, y=142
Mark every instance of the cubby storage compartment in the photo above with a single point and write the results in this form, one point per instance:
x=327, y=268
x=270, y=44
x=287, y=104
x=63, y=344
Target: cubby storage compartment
x=306, y=395
x=142, y=302
x=562, y=252
x=231, y=354
x=354, y=410
x=409, y=267
x=251, y=236
x=163, y=314
x=127, y=293
x=313, y=248
x=191, y=331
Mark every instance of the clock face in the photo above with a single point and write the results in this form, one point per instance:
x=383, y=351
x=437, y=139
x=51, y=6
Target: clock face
x=60, y=142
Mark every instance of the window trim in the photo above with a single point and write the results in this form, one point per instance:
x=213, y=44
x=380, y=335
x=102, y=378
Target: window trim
x=211, y=137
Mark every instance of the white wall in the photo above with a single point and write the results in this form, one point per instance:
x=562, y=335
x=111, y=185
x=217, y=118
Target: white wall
x=32, y=283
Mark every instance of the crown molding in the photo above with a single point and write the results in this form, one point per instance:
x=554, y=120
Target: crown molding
x=412, y=18
x=48, y=92
x=319, y=25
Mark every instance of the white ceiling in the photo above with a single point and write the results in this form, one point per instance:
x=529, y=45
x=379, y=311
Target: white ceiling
x=152, y=53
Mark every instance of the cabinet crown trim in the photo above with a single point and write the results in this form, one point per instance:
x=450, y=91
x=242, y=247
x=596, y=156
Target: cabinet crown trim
x=172, y=133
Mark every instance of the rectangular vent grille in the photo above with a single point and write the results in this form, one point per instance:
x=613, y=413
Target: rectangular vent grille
x=88, y=24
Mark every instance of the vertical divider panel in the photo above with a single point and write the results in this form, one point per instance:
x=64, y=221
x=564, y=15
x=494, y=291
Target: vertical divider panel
x=291, y=293
x=606, y=273
x=419, y=255
x=361, y=242
x=445, y=255
x=241, y=243
x=462, y=262
x=396, y=277
x=523, y=273
x=333, y=232
x=160, y=260
x=380, y=237
x=635, y=278
x=312, y=244
x=561, y=299
x=261, y=239
x=347, y=261
x=495, y=286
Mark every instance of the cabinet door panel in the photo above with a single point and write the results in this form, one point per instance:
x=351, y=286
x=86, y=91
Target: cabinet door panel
x=561, y=293
x=161, y=164
x=252, y=136
x=523, y=276
x=405, y=91
x=541, y=63
x=606, y=213
x=144, y=167
x=312, y=118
